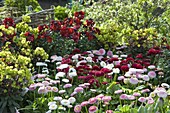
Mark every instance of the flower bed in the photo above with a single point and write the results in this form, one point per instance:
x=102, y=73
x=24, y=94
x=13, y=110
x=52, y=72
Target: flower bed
x=63, y=68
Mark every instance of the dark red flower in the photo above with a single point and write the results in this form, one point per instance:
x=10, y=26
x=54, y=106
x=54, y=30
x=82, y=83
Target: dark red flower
x=87, y=68
x=129, y=59
x=42, y=27
x=123, y=62
x=104, y=59
x=117, y=66
x=82, y=77
x=85, y=73
x=49, y=39
x=70, y=30
x=92, y=72
x=64, y=31
x=137, y=66
x=90, y=22
x=27, y=34
x=130, y=55
x=153, y=51
x=99, y=73
x=8, y=22
x=94, y=59
x=88, y=77
x=106, y=70
x=113, y=59
x=68, y=21
x=139, y=61
x=77, y=23
x=80, y=67
x=76, y=37
x=124, y=68
x=104, y=83
x=55, y=25
x=79, y=14
x=30, y=37
x=83, y=63
x=66, y=61
x=94, y=82
x=139, y=56
x=146, y=64
x=76, y=50
x=95, y=67
x=85, y=53
x=90, y=36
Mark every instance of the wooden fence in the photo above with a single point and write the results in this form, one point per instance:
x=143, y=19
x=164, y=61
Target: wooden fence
x=37, y=18
x=12, y=12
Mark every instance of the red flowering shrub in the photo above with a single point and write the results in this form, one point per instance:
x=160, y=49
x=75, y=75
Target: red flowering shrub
x=7, y=31
x=74, y=28
x=8, y=22
x=154, y=51
x=30, y=37
x=62, y=37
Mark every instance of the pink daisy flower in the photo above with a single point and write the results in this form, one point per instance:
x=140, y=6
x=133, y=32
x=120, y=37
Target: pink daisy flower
x=142, y=99
x=152, y=74
x=77, y=108
x=93, y=109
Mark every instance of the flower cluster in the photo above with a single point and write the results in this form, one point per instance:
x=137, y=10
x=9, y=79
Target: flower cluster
x=94, y=102
x=72, y=27
x=117, y=76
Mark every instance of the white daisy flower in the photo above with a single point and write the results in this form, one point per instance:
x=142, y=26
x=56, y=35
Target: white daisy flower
x=65, y=102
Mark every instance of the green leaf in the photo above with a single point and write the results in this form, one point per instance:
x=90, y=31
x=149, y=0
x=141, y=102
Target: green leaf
x=141, y=109
x=133, y=110
x=10, y=102
x=15, y=104
x=168, y=111
x=1, y=103
x=4, y=105
x=150, y=109
x=125, y=109
x=12, y=109
x=156, y=107
x=140, y=87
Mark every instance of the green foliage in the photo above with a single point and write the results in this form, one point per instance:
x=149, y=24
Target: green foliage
x=21, y=4
x=122, y=18
x=73, y=7
x=16, y=57
x=60, y=12
x=164, y=65
x=37, y=9
x=152, y=108
x=8, y=104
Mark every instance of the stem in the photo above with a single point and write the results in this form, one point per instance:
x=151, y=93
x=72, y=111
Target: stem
x=86, y=109
x=136, y=102
x=111, y=85
x=34, y=95
x=162, y=110
x=39, y=69
x=69, y=110
x=115, y=77
x=120, y=102
x=100, y=107
x=55, y=111
x=106, y=107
